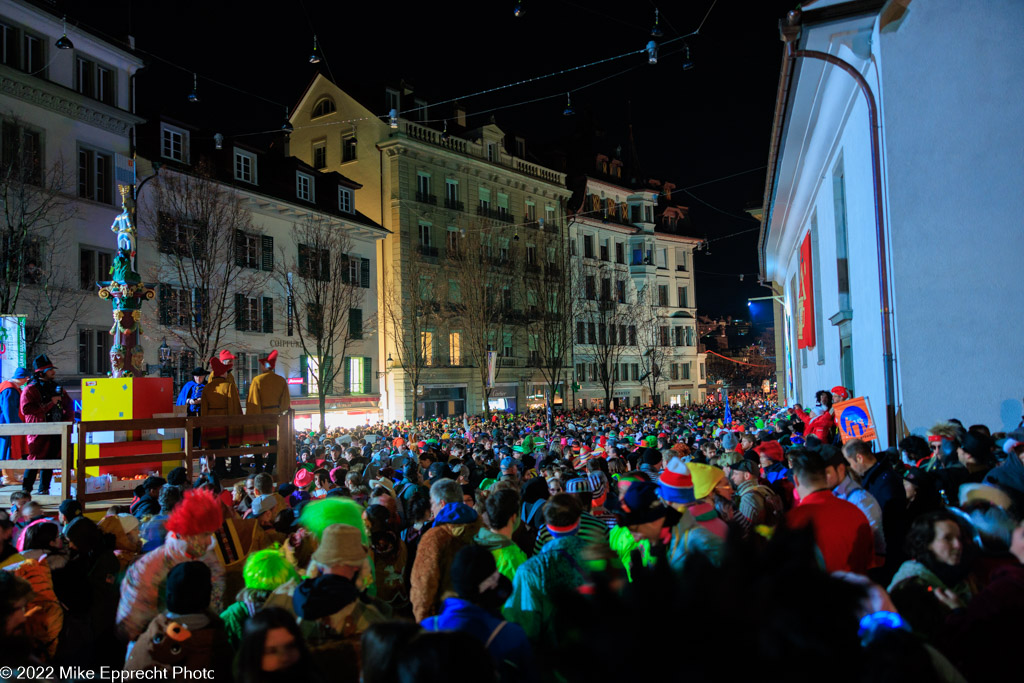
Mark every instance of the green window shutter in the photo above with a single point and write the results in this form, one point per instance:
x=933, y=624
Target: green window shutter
x=268, y=314
x=200, y=302
x=239, y=248
x=164, y=304
x=303, y=260
x=367, y=375
x=325, y=265
x=267, y=260
x=355, y=323
x=163, y=233
x=240, y=312
x=329, y=374
x=344, y=268
x=304, y=374
x=348, y=383
x=364, y=273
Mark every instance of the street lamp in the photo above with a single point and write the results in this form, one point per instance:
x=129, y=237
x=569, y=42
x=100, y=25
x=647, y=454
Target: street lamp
x=165, y=359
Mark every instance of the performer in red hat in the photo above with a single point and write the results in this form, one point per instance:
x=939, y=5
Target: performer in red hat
x=268, y=394
x=220, y=397
x=228, y=360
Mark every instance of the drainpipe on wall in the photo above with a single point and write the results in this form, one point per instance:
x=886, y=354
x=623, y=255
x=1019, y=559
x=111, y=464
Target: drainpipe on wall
x=790, y=32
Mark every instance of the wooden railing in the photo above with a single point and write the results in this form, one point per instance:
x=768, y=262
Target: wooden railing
x=62, y=429
x=284, y=449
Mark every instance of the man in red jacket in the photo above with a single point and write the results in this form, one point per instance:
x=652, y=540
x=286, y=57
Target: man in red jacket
x=841, y=531
x=43, y=400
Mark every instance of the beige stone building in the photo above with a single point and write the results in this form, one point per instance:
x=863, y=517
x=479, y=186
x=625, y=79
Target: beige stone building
x=463, y=205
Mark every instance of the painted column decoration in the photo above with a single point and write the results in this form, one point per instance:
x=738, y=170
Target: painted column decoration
x=805, y=306
x=126, y=292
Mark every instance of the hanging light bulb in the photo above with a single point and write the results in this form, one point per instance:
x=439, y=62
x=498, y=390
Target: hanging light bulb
x=656, y=30
x=393, y=118
x=218, y=141
x=741, y=277
x=444, y=133
x=518, y=10
x=687, y=62
x=287, y=127
x=314, y=58
x=194, y=95
x=652, y=52
x=516, y=236
x=64, y=43
x=568, y=111
x=462, y=232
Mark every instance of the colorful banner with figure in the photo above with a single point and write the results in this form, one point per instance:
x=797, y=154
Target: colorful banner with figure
x=805, y=306
x=854, y=419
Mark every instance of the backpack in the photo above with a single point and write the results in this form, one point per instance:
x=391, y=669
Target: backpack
x=774, y=511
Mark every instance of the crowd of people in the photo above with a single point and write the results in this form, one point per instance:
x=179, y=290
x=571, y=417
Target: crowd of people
x=597, y=545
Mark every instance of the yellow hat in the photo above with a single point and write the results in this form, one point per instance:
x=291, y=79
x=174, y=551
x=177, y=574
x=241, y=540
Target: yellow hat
x=705, y=478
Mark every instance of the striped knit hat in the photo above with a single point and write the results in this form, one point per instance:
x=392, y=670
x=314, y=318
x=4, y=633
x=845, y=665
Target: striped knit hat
x=675, y=484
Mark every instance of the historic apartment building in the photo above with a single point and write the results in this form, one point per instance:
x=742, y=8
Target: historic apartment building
x=67, y=112
x=635, y=323
x=475, y=229
x=268, y=219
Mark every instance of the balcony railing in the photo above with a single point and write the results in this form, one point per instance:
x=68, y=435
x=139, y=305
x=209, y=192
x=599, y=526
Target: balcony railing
x=427, y=250
x=498, y=214
x=424, y=198
x=455, y=204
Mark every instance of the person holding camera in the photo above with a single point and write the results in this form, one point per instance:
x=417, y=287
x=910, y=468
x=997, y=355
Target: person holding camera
x=44, y=400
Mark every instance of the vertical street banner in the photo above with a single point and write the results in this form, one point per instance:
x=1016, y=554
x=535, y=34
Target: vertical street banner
x=291, y=306
x=805, y=306
x=728, y=410
x=854, y=419
x=492, y=366
x=13, y=348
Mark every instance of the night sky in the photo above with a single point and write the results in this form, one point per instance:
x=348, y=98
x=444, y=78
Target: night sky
x=689, y=127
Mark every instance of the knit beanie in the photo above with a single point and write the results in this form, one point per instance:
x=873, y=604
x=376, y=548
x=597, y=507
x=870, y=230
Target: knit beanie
x=189, y=586
x=472, y=566
x=730, y=441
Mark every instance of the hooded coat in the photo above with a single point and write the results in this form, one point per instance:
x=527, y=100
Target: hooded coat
x=455, y=526
x=1010, y=478
x=507, y=555
x=558, y=567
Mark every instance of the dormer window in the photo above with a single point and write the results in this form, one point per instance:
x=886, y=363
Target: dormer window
x=304, y=186
x=345, y=200
x=173, y=143
x=245, y=166
x=323, y=107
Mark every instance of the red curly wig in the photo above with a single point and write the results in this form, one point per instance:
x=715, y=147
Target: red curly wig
x=198, y=513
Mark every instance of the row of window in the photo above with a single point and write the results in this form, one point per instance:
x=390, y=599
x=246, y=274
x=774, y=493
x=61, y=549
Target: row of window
x=590, y=292
x=640, y=254
x=596, y=207
x=629, y=372
x=453, y=198
x=625, y=335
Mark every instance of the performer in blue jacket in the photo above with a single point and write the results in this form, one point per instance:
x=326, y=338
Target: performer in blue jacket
x=192, y=391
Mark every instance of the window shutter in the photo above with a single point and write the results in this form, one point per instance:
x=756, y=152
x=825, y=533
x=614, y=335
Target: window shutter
x=364, y=272
x=355, y=323
x=303, y=260
x=347, y=373
x=239, y=248
x=200, y=301
x=163, y=233
x=367, y=375
x=267, y=260
x=325, y=266
x=304, y=374
x=164, y=304
x=268, y=314
x=240, y=312
x=344, y=268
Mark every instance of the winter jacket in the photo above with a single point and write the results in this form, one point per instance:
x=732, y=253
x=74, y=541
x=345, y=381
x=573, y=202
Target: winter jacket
x=912, y=569
x=1010, y=478
x=455, y=526
x=45, y=624
x=622, y=542
x=11, y=447
x=185, y=643
x=506, y=642
x=219, y=399
x=507, y=555
x=852, y=492
x=558, y=567
x=842, y=533
x=687, y=537
x=822, y=426
x=141, y=588
x=234, y=618
x=268, y=393
x=36, y=407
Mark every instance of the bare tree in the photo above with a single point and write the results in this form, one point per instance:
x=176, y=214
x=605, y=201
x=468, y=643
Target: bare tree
x=410, y=312
x=328, y=289
x=36, y=233
x=200, y=226
x=652, y=341
x=484, y=269
x=552, y=323
x=606, y=321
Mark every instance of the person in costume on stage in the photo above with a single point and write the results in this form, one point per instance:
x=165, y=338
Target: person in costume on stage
x=268, y=395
